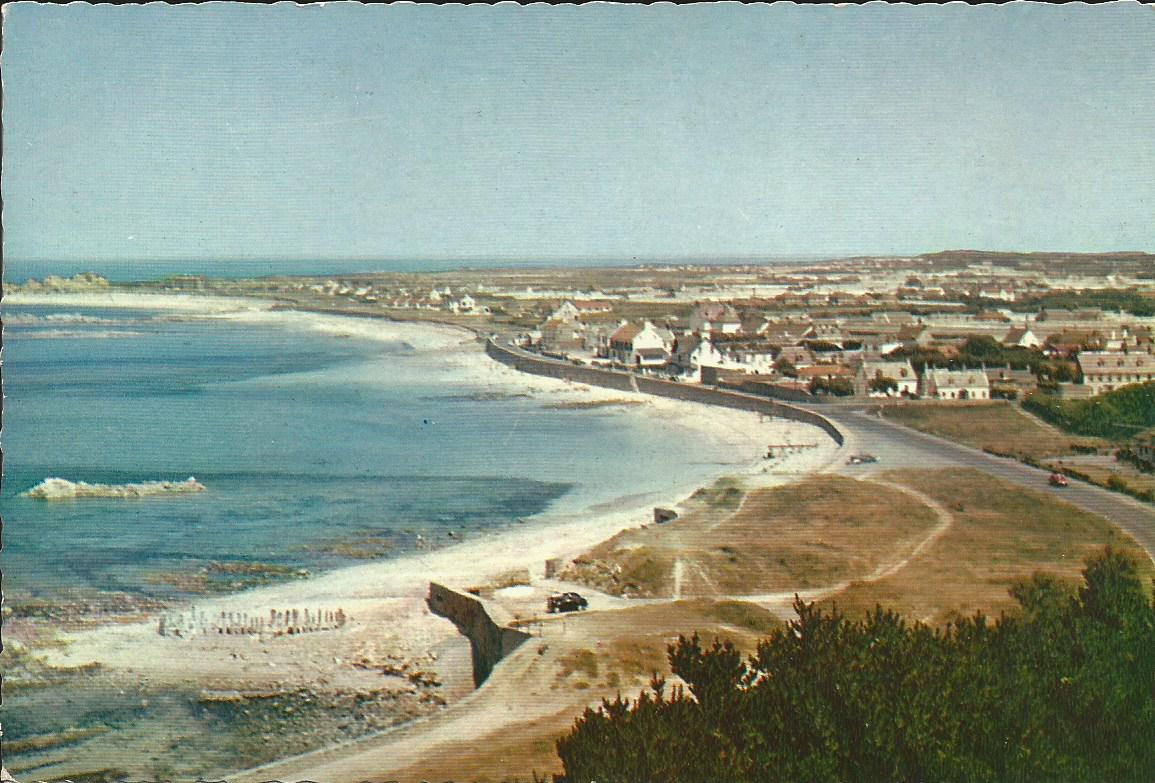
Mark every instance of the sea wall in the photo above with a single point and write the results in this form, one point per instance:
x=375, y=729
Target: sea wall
x=772, y=390
x=625, y=381
x=488, y=641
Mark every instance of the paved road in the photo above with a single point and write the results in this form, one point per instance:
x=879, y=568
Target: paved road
x=898, y=446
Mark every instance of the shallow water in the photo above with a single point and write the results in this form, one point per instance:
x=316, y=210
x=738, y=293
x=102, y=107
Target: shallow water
x=320, y=441
x=317, y=449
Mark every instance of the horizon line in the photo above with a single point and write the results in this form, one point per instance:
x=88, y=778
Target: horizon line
x=522, y=259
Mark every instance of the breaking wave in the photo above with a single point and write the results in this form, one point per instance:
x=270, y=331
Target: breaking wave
x=72, y=334
x=58, y=318
x=63, y=489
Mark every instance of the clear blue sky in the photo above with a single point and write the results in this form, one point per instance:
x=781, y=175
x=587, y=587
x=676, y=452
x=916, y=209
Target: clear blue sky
x=222, y=131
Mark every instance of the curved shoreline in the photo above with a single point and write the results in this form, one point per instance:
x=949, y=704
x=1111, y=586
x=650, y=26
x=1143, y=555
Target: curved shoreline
x=386, y=597
x=595, y=521
x=625, y=381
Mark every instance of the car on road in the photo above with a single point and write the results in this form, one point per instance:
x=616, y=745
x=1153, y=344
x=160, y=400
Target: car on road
x=565, y=602
x=861, y=459
x=1058, y=480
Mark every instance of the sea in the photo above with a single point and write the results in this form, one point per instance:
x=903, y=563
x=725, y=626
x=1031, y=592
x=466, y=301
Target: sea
x=21, y=270
x=321, y=441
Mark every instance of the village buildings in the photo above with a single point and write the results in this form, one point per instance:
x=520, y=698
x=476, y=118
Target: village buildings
x=817, y=337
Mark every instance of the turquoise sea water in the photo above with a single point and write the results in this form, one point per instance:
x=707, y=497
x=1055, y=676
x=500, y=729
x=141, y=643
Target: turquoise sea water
x=308, y=442
x=316, y=437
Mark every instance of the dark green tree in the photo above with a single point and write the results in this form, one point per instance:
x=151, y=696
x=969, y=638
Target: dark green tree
x=1062, y=691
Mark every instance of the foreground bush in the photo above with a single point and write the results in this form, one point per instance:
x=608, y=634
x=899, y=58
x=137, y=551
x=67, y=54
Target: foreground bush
x=1065, y=691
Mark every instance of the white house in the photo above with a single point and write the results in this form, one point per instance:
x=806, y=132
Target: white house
x=641, y=346
x=692, y=351
x=465, y=304
x=956, y=385
x=899, y=372
x=566, y=312
x=706, y=354
x=1021, y=337
x=715, y=317
x=750, y=359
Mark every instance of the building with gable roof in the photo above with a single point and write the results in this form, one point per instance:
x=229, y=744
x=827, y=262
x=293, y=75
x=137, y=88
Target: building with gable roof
x=956, y=385
x=901, y=373
x=1106, y=371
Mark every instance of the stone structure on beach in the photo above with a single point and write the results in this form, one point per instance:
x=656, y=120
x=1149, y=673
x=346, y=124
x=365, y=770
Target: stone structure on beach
x=280, y=622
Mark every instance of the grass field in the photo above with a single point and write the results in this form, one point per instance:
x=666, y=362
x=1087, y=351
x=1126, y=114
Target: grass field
x=1000, y=534
x=998, y=427
x=804, y=535
x=932, y=544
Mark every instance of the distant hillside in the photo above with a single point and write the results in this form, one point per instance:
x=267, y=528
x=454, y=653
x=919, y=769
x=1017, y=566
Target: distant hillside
x=1119, y=414
x=1128, y=261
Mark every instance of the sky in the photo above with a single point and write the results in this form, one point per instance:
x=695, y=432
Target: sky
x=347, y=133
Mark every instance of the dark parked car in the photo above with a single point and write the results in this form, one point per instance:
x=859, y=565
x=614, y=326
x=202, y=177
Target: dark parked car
x=565, y=602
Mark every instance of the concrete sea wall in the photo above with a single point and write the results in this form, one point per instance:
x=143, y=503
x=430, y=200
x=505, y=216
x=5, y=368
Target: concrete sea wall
x=626, y=381
x=488, y=641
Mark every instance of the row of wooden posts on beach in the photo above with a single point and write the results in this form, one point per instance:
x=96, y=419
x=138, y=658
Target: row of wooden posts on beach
x=278, y=623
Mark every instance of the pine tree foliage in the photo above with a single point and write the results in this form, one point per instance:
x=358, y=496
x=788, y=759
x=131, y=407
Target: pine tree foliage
x=1062, y=691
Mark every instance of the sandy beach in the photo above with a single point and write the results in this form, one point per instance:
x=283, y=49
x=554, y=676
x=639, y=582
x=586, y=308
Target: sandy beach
x=389, y=626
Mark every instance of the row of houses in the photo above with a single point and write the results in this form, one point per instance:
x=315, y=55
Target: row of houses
x=846, y=352
x=402, y=299
x=1105, y=371
x=578, y=326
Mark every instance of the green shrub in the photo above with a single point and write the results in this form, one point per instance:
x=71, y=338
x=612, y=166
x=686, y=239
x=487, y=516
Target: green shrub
x=1062, y=691
x=1117, y=414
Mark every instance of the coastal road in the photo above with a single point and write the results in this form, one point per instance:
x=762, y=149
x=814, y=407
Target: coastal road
x=898, y=446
